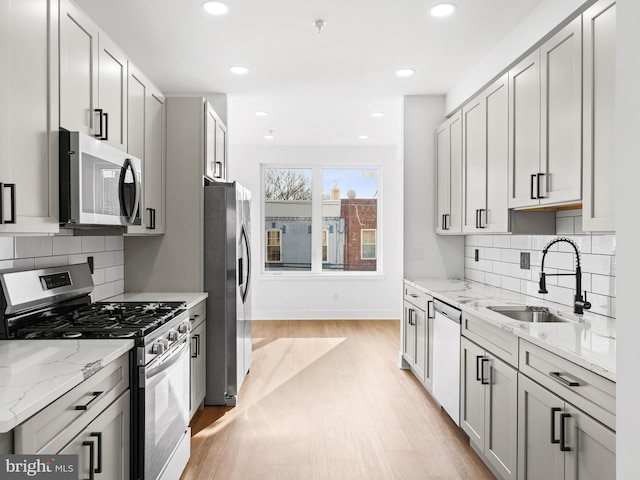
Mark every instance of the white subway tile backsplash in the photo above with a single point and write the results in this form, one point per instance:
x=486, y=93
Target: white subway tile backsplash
x=118, y=257
x=6, y=248
x=66, y=245
x=99, y=276
x=113, y=242
x=502, y=241
x=521, y=242
x=92, y=244
x=104, y=259
x=118, y=287
x=54, y=261
x=100, y=292
x=33, y=247
x=597, y=254
x=114, y=273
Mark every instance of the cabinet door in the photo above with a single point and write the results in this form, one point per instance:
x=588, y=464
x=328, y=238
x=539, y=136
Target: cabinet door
x=107, y=439
x=538, y=423
x=501, y=417
x=598, y=206
x=198, y=364
x=524, y=131
x=421, y=327
x=112, y=92
x=561, y=133
x=221, y=149
x=592, y=448
x=155, y=157
x=29, y=117
x=449, y=176
x=211, y=168
x=475, y=164
x=409, y=340
x=496, y=106
x=472, y=391
x=78, y=69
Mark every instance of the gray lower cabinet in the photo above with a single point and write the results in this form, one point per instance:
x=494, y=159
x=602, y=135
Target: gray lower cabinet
x=103, y=448
x=198, y=357
x=488, y=406
x=558, y=441
x=417, y=334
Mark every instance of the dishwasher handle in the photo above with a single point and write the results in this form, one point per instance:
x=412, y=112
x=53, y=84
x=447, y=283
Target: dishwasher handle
x=447, y=311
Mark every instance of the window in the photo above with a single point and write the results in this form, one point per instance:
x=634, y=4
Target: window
x=368, y=244
x=325, y=219
x=274, y=246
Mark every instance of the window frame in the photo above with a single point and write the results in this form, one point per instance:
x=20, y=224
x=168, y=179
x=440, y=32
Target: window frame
x=266, y=245
x=375, y=243
x=317, y=271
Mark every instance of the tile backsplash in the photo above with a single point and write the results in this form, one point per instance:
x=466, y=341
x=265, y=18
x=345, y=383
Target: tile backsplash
x=499, y=263
x=64, y=249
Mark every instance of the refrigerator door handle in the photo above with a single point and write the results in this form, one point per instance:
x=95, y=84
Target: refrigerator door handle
x=247, y=250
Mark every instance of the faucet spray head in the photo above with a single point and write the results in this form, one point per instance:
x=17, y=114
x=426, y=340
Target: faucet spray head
x=543, y=283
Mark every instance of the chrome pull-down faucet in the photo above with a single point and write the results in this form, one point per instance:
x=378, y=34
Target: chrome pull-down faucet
x=580, y=303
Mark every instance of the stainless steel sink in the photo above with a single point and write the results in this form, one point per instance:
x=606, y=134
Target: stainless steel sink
x=526, y=313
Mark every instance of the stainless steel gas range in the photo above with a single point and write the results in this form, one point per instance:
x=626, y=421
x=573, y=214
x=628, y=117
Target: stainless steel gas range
x=55, y=303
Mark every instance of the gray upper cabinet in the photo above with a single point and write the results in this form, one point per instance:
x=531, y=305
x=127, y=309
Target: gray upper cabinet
x=28, y=117
x=598, y=206
x=215, y=146
x=146, y=136
x=485, y=160
x=93, y=79
x=545, y=92
x=449, y=176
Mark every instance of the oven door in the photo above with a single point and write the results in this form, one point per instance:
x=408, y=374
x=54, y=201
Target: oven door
x=166, y=407
x=101, y=186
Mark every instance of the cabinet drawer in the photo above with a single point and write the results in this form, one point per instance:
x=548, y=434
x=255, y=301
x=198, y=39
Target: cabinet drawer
x=53, y=427
x=501, y=343
x=416, y=296
x=198, y=314
x=586, y=390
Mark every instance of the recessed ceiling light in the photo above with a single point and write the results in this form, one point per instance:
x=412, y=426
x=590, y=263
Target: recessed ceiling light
x=261, y=114
x=405, y=72
x=442, y=9
x=363, y=137
x=239, y=70
x=377, y=114
x=215, y=7
x=269, y=135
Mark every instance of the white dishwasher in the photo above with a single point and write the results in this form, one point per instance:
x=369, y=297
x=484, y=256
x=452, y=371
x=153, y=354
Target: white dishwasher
x=446, y=358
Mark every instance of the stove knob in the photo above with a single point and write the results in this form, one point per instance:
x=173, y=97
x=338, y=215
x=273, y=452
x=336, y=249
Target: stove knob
x=183, y=327
x=173, y=336
x=165, y=344
x=157, y=348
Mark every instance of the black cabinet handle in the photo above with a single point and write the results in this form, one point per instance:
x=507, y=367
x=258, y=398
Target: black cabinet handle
x=86, y=405
x=91, y=463
x=480, y=217
x=12, y=188
x=563, y=446
x=196, y=348
x=430, y=309
x=100, y=116
x=554, y=410
x=106, y=127
x=478, y=377
x=538, y=184
x=533, y=181
x=447, y=221
x=482, y=380
x=218, y=170
x=411, y=322
x=476, y=218
x=152, y=218
x=98, y=435
x=557, y=376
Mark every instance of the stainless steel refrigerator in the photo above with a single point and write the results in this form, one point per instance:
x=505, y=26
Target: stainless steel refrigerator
x=227, y=280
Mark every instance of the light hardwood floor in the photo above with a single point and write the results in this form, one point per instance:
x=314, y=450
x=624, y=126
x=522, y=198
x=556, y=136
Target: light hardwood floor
x=326, y=400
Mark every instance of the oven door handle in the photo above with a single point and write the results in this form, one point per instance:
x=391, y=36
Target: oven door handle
x=171, y=361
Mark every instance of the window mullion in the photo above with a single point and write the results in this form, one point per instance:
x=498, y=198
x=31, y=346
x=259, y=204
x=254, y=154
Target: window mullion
x=316, y=221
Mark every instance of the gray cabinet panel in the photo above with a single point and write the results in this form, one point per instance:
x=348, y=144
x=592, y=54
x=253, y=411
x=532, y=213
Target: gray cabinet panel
x=472, y=396
x=449, y=176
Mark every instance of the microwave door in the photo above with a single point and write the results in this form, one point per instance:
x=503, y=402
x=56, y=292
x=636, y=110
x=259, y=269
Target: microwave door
x=100, y=203
x=129, y=193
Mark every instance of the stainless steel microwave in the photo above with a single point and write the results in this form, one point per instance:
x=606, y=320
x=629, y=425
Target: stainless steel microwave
x=99, y=184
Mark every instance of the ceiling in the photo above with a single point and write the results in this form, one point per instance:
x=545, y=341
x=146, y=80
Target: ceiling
x=318, y=88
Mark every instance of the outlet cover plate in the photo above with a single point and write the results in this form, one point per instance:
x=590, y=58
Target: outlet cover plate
x=525, y=260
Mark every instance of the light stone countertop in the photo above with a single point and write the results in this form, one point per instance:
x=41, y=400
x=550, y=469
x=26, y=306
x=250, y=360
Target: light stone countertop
x=191, y=298
x=34, y=373
x=589, y=341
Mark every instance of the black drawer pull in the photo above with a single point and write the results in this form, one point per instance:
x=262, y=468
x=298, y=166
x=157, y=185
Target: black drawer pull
x=557, y=376
x=91, y=463
x=563, y=446
x=98, y=435
x=86, y=405
x=482, y=380
x=554, y=410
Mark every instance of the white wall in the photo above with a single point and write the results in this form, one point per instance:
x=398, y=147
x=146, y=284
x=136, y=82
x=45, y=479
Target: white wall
x=541, y=21
x=628, y=231
x=425, y=253
x=331, y=296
